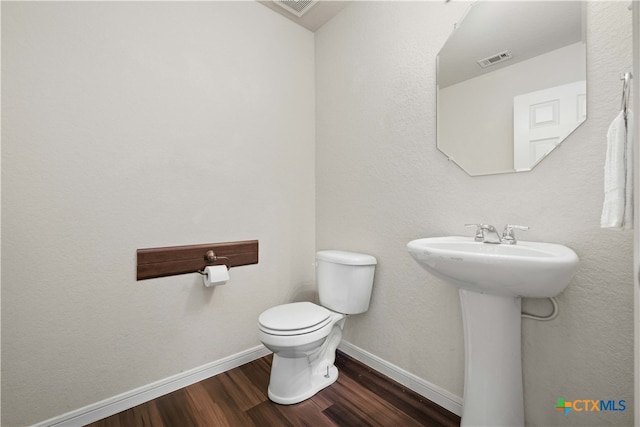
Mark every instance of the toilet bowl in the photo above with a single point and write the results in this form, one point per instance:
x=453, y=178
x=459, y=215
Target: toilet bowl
x=304, y=336
x=303, y=355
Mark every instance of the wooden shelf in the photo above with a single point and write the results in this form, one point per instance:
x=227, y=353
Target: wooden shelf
x=172, y=260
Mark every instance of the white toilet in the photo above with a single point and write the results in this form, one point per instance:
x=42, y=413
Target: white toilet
x=304, y=336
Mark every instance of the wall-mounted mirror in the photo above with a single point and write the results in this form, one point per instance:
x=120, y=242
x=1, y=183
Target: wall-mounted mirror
x=511, y=84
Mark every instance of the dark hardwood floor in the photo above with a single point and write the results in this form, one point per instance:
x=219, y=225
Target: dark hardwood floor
x=360, y=397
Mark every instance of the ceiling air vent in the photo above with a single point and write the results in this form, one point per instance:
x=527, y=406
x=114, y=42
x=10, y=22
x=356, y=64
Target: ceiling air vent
x=494, y=59
x=297, y=7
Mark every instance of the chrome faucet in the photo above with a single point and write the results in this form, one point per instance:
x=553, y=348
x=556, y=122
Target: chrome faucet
x=486, y=233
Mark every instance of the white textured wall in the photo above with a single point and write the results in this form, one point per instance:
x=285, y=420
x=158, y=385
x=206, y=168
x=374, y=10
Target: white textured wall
x=133, y=125
x=381, y=182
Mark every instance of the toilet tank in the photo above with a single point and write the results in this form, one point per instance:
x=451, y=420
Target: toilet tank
x=345, y=280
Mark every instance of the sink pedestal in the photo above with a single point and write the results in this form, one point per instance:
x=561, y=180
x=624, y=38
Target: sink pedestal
x=493, y=393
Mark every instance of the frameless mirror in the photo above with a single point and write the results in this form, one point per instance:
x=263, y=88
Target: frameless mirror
x=511, y=84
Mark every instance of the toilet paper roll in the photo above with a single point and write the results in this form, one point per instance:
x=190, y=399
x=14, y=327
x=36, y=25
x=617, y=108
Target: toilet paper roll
x=215, y=275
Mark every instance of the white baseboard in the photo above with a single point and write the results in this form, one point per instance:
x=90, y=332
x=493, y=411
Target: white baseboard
x=424, y=388
x=127, y=400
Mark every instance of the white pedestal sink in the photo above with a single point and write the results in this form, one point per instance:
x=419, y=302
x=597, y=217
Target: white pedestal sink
x=492, y=279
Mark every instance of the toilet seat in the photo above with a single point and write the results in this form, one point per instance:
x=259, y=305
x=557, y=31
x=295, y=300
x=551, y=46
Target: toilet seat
x=296, y=318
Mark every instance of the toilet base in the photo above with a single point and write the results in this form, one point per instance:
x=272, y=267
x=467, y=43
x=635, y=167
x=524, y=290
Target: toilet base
x=294, y=380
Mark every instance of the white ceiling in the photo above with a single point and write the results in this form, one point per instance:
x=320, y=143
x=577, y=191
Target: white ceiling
x=525, y=28
x=315, y=17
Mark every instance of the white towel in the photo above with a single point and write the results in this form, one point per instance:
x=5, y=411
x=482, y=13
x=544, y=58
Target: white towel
x=617, y=210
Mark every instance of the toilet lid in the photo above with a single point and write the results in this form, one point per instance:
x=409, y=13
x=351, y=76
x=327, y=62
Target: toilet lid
x=294, y=318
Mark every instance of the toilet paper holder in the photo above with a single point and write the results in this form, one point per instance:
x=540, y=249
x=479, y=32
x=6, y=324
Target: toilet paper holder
x=210, y=256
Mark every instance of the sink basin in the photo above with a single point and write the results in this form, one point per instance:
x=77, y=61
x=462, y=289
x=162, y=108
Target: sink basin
x=526, y=269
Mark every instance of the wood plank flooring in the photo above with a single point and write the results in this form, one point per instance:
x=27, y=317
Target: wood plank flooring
x=238, y=398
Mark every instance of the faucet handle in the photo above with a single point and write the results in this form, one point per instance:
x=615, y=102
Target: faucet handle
x=479, y=237
x=508, y=236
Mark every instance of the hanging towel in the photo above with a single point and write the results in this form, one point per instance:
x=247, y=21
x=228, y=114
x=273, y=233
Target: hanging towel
x=628, y=207
x=617, y=210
